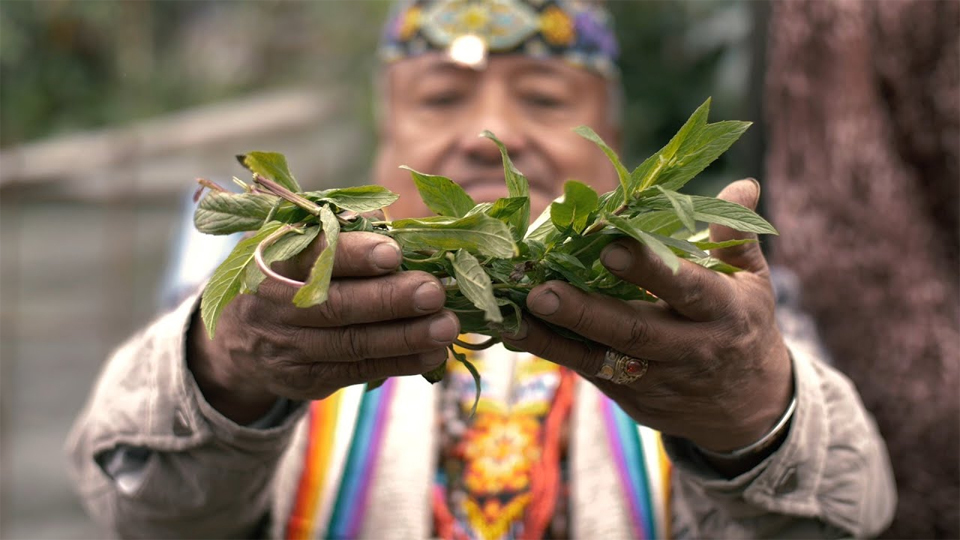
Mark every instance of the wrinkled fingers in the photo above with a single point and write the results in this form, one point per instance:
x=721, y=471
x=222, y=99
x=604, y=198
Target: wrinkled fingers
x=696, y=292
x=317, y=380
x=401, y=295
x=380, y=340
x=635, y=328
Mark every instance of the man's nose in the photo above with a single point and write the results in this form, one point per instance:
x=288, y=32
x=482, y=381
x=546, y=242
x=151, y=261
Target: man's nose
x=493, y=113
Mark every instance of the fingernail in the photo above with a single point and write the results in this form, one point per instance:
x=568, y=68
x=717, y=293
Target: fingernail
x=386, y=256
x=428, y=297
x=444, y=329
x=617, y=258
x=521, y=332
x=546, y=303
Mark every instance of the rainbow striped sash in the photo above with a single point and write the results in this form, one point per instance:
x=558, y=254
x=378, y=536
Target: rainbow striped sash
x=644, y=471
x=346, y=432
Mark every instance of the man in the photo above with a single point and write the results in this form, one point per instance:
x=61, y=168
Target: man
x=188, y=436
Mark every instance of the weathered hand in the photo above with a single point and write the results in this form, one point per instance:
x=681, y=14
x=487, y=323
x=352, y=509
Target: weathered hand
x=377, y=323
x=719, y=372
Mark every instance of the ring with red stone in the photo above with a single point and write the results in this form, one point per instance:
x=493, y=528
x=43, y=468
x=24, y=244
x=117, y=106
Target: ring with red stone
x=622, y=369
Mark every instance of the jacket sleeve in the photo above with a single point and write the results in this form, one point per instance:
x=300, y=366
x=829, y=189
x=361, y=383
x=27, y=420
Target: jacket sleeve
x=830, y=478
x=150, y=458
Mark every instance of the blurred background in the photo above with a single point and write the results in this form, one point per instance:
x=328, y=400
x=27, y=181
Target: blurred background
x=109, y=109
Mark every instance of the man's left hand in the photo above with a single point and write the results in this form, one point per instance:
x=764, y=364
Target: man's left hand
x=719, y=372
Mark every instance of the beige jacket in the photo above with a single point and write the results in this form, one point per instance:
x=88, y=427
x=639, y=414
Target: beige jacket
x=180, y=469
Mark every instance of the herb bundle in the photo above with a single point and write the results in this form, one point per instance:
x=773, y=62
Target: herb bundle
x=490, y=250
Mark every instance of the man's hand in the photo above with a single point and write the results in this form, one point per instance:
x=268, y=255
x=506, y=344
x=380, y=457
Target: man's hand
x=377, y=323
x=719, y=372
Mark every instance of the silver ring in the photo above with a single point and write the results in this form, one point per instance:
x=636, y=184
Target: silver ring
x=622, y=369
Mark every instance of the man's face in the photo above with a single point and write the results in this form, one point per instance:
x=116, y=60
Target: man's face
x=435, y=110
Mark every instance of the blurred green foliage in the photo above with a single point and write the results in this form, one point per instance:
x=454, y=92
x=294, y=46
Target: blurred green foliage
x=73, y=65
x=68, y=65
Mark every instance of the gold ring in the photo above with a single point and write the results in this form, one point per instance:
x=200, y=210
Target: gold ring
x=622, y=369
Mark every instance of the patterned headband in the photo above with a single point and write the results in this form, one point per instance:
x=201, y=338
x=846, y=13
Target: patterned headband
x=577, y=31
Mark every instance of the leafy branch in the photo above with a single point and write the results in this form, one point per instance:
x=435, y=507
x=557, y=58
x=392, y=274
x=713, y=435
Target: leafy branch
x=490, y=250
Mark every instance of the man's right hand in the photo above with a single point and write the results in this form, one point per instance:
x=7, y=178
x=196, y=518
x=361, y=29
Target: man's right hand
x=377, y=323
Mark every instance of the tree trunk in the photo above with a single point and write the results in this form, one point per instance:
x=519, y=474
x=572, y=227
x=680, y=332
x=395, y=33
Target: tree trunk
x=863, y=118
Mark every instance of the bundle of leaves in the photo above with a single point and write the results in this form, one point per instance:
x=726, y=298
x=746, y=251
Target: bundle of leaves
x=489, y=254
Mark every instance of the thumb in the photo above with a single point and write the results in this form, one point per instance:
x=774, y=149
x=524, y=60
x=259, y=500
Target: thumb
x=746, y=256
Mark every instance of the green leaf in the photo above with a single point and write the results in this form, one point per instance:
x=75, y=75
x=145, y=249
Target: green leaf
x=475, y=284
x=712, y=210
x=222, y=212
x=517, y=186
x=569, y=267
x=271, y=165
x=587, y=248
x=480, y=208
x=441, y=195
x=281, y=250
x=543, y=228
x=503, y=209
x=612, y=200
x=227, y=279
x=663, y=222
x=511, y=323
x=648, y=173
x=479, y=234
x=725, y=244
x=357, y=199
x=703, y=235
x=472, y=320
x=733, y=215
x=716, y=264
x=659, y=249
x=462, y=358
x=625, y=290
x=696, y=145
x=702, y=149
x=436, y=374
x=622, y=173
x=579, y=201
x=535, y=248
x=693, y=125
x=317, y=287
x=681, y=246
x=501, y=270
x=683, y=206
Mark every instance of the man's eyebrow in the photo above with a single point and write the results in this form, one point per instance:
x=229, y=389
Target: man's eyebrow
x=540, y=68
x=447, y=66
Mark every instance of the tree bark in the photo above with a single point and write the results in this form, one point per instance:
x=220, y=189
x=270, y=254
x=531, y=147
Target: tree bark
x=863, y=125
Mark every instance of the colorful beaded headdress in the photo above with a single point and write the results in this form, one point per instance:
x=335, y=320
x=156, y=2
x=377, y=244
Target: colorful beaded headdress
x=579, y=32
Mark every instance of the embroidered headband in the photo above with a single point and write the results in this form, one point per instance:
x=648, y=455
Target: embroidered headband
x=576, y=31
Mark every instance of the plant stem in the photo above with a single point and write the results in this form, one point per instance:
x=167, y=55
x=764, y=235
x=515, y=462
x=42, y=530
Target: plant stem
x=652, y=177
x=204, y=183
x=210, y=184
x=269, y=241
x=476, y=346
x=288, y=195
x=586, y=247
x=497, y=286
